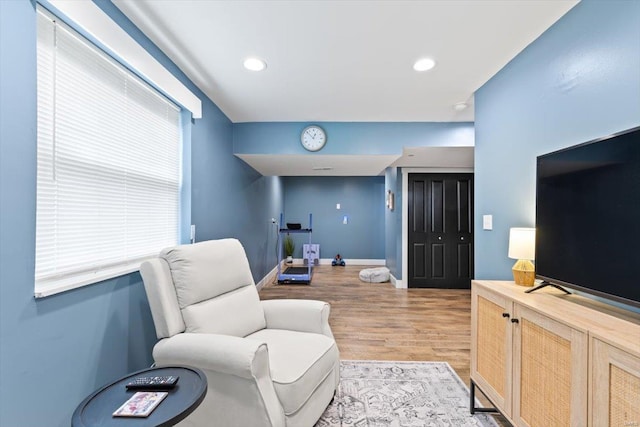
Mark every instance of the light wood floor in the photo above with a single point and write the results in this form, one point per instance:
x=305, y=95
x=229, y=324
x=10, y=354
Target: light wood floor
x=376, y=321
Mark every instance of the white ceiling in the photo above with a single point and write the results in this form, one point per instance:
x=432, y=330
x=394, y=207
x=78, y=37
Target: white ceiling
x=342, y=61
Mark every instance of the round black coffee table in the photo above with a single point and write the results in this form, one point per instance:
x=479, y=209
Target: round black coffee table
x=97, y=409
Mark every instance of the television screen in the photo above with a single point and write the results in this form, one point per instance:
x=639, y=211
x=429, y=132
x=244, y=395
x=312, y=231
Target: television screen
x=588, y=217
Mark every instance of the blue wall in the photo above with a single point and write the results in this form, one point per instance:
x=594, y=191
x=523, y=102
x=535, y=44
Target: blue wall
x=231, y=199
x=87, y=336
x=350, y=137
x=580, y=80
x=361, y=200
x=95, y=334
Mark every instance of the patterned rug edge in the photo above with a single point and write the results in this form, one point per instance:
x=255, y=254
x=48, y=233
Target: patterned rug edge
x=484, y=416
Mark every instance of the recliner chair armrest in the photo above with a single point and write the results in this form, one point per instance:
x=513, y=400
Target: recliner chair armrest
x=298, y=315
x=219, y=353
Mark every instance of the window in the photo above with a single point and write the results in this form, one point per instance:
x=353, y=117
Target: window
x=108, y=185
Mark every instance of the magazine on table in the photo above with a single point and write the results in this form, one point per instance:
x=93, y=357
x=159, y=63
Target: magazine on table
x=140, y=404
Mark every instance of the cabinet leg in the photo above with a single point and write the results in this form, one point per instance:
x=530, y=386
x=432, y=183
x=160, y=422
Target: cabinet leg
x=472, y=395
x=472, y=401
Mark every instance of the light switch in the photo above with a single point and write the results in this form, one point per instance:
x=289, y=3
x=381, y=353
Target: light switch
x=338, y=206
x=345, y=219
x=487, y=222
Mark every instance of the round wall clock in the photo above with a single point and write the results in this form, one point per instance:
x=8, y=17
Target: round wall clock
x=313, y=138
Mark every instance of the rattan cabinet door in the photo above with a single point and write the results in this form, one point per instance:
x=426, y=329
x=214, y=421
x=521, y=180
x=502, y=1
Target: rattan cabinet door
x=615, y=386
x=550, y=372
x=491, y=346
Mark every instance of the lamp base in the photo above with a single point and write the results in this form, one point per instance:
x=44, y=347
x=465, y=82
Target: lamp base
x=524, y=272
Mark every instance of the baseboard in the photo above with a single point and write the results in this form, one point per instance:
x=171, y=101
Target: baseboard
x=348, y=261
x=399, y=284
x=269, y=278
x=299, y=262
x=354, y=261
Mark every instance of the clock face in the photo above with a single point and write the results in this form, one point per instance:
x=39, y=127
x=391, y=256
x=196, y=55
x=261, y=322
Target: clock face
x=313, y=138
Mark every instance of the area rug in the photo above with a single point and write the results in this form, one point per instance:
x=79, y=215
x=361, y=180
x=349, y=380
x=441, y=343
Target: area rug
x=401, y=394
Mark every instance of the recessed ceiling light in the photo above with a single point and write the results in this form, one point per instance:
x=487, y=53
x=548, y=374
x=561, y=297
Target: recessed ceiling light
x=424, y=64
x=254, y=64
x=460, y=106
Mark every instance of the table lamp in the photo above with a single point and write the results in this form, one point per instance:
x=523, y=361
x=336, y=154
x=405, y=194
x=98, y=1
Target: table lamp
x=522, y=245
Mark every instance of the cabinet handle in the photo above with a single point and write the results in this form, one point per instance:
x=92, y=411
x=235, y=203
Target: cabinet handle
x=505, y=315
x=514, y=320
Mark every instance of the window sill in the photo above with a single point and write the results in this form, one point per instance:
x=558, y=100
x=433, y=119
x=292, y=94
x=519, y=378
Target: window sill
x=48, y=287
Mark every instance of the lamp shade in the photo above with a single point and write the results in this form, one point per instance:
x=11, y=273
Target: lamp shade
x=522, y=243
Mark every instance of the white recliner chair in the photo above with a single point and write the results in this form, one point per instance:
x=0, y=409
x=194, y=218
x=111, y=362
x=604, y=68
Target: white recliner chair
x=268, y=363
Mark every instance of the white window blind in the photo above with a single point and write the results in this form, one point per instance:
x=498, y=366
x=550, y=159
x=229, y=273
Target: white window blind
x=108, y=184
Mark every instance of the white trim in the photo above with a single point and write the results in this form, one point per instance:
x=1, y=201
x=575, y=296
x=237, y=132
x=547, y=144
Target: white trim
x=299, y=262
x=270, y=277
x=405, y=225
x=405, y=210
x=399, y=284
x=436, y=170
x=56, y=286
x=355, y=261
x=100, y=26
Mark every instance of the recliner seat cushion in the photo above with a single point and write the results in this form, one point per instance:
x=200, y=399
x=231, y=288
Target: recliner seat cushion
x=299, y=362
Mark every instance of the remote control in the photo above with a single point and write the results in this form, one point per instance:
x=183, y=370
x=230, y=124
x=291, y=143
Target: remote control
x=153, y=383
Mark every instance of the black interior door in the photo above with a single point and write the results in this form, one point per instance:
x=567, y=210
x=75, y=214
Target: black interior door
x=440, y=230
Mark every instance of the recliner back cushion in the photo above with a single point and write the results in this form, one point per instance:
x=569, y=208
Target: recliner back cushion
x=206, y=272
x=238, y=313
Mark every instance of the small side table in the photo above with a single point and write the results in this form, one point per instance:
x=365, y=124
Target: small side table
x=97, y=409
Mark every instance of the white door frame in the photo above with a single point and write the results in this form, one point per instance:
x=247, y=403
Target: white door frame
x=404, y=283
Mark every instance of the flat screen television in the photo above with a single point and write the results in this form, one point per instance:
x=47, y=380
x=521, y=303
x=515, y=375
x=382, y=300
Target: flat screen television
x=588, y=217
